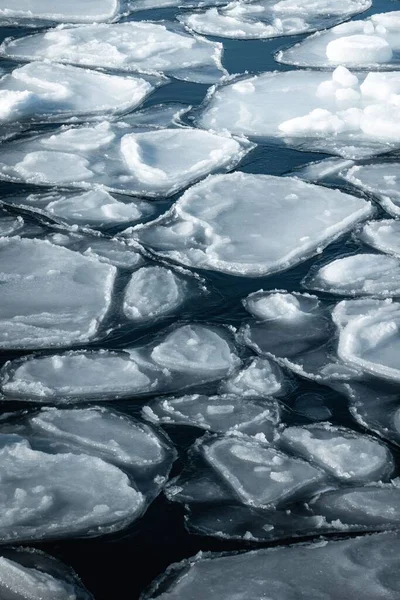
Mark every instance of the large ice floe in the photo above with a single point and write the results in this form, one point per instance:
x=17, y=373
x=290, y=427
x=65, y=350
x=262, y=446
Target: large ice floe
x=39, y=91
x=27, y=12
x=121, y=159
x=381, y=179
x=27, y=574
x=353, y=115
x=136, y=46
x=370, y=43
x=238, y=224
x=363, y=568
x=79, y=472
x=185, y=356
x=51, y=296
x=267, y=18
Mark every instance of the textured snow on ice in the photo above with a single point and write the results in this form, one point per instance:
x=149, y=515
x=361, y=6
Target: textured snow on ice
x=205, y=228
x=358, y=275
x=350, y=115
x=260, y=377
x=361, y=568
x=217, y=413
x=41, y=90
x=133, y=46
x=144, y=163
x=10, y=225
x=267, y=18
x=382, y=235
x=188, y=355
x=347, y=455
x=371, y=42
x=50, y=295
x=72, y=11
x=381, y=180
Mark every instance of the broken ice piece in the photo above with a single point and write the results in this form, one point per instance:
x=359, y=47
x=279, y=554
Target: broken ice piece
x=261, y=377
x=72, y=12
x=381, y=180
x=382, y=235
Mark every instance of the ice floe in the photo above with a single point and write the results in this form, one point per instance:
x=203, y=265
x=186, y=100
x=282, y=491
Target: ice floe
x=205, y=228
x=50, y=295
x=267, y=18
x=382, y=235
x=27, y=574
x=39, y=91
x=26, y=11
x=381, y=180
x=10, y=225
x=261, y=377
x=369, y=43
x=358, y=275
x=364, y=567
x=133, y=46
x=187, y=355
x=351, y=115
x=226, y=412
x=119, y=159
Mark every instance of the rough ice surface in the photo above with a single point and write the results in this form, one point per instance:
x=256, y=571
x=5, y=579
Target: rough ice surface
x=117, y=158
x=382, y=235
x=47, y=494
x=95, y=208
x=135, y=46
x=346, y=455
x=32, y=575
x=72, y=12
x=10, y=225
x=381, y=180
x=257, y=474
x=226, y=412
x=261, y=377
x=188, y=355
x=204, y=229
x=153, y=292
x=267, y=18
x=369, y=43
x=351, y=115
x=50, y=295
x=39, y=90
x=363, y=568
x=358, y=275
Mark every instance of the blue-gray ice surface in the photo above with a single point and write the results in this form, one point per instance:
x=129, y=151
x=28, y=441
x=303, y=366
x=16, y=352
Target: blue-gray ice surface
x=353, y=115
x=121, y=159
x=380, y=180
x=205, y=227
x=262, y=19
x=371, y=43
x=135, y=46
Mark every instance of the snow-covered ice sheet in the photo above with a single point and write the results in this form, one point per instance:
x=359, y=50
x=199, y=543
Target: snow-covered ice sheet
x=375, y=275
x=39, y=91
x=382, y=235
x=382, y=180
x=226, y=412
x=95, y=208
x=371, y=43
x=363, y=568
x=26, y=11
x=27, y=574
x=351, y=115
x=185, y=356
x=117, y=158
x=267, y=18
x=133, y=46
x=50, y=295
x=260, y=377
x=205, y=228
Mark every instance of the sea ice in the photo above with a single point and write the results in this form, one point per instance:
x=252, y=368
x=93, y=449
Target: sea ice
x=260, y=377
x=90, y=11
x=50, y=295
x=139, y=46
x=27, y=574
x=343, y=453
x=39, y=91
x=117, y=158
x=267, y=18
x=381, y=180
x=363, y=568
x=222, y=413
x=187, y=355
x=238, y=223
x=371, y=43
x=351, y=115
x=10, y=225
x=358, y=275
x=382, y=235
x=95, y=208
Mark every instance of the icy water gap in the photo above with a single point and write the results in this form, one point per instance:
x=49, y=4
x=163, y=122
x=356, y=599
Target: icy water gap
x=199, y=299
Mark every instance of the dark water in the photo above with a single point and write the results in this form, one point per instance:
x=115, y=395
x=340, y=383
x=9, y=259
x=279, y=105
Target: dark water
x=123, y=565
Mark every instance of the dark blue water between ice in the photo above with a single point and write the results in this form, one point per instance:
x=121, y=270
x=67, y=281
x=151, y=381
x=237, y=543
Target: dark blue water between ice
x=122, y=565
